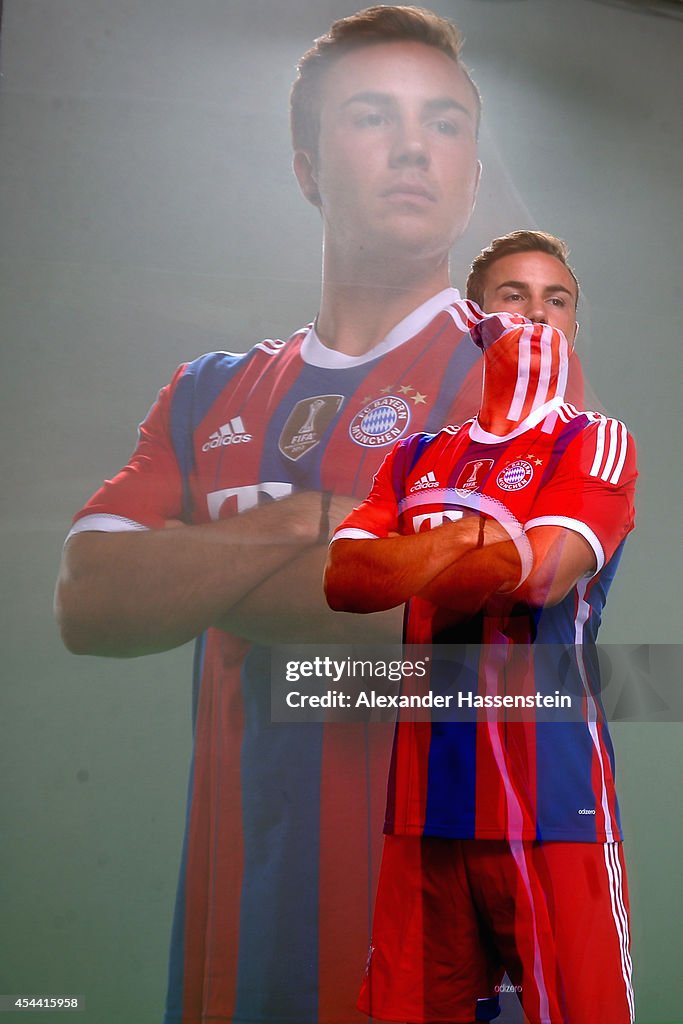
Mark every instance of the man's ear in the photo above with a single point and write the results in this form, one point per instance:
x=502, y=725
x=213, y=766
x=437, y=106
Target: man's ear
x=477, y=182
x=475, y=190
x=306, y=174
x=572, y=340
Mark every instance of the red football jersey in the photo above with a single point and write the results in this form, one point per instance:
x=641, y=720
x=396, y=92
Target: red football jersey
x=272, y=913
x=492, y=779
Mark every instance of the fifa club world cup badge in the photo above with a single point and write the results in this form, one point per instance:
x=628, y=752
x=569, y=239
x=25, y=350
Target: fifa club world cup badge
x=473, y=475
x=306, y=424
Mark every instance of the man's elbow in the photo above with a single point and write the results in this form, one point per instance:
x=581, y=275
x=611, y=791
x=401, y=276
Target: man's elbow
x=341, y=584
x=72, y=635
x=74, y=602
x=337, y=602
x=69, y=615
x=338, y=595
x=544, y=592
x=350, y=581
x=77, y=642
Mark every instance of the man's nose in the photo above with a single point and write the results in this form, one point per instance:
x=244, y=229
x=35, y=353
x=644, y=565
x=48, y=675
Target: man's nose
x=409, y=146
x=537, y=313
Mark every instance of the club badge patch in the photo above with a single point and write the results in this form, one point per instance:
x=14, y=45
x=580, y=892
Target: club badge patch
x=306, y=424
x=380, y=422
x=472, y=475
x=515, y=476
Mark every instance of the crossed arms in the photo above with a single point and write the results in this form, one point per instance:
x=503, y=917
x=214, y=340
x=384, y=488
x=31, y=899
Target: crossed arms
x=459, y=565
x=256, y=575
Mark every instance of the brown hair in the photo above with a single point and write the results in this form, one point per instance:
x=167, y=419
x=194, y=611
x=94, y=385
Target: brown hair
x=373, y=25
x=508, y=245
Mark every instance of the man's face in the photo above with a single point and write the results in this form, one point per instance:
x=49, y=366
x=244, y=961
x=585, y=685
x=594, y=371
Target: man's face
x=396, y=164
x=536, y=285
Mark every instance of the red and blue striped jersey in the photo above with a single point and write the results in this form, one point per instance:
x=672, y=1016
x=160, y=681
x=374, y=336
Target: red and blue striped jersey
x=484, y=777
x=273, y=911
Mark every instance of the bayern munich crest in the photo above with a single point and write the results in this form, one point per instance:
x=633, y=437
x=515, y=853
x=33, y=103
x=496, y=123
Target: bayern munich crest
x=380, y=422
x=515, y=475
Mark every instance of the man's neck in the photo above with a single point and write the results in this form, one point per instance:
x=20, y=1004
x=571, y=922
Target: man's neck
x=358, y=309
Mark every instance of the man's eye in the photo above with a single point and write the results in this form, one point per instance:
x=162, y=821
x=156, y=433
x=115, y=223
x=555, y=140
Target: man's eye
x=559, y=303
x=372, y=120
x=446, y=127
x=514, y=297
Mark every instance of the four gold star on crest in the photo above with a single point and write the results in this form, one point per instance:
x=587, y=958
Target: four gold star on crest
x=418, y=398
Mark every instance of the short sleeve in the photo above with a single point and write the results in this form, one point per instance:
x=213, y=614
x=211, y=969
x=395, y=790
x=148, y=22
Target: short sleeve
x=148, y=491
x=377, y=516
x=592, y=489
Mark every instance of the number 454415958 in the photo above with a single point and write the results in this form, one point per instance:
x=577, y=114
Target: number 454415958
x=41, y=1002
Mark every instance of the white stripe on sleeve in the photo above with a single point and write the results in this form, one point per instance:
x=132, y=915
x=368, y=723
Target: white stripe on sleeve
x=599, y=447
x=102, y=522
x=578, y=527
x=612, y=453
x=353, y=533
x=623, y=437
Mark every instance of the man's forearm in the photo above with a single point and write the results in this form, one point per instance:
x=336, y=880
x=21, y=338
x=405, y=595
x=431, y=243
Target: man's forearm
x=373, y=575
x=124, y=594
x=465, y=586
x=539, y=570
x=289, y=607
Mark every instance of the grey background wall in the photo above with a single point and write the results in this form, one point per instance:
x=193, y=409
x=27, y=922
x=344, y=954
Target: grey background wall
x=148, y=214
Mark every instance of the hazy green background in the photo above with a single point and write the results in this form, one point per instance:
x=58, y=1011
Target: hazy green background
x=148, y=214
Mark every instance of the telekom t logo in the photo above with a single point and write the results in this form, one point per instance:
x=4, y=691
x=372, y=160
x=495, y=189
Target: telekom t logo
x=246, y=497
x=434, y=519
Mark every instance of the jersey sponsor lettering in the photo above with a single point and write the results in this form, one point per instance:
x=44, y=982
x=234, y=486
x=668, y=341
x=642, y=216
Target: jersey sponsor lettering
x=243, y=498
x=430, y=520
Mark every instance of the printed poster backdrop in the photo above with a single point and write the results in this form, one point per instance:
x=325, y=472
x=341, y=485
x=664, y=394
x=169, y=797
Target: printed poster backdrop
x=148, y=215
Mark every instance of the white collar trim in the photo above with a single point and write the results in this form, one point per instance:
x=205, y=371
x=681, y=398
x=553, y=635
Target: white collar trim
x=315, y=353
x=477, y=432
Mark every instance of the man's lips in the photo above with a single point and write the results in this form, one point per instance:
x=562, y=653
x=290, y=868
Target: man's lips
x=407, y=191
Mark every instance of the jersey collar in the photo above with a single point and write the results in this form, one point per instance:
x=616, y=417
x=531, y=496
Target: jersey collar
x=477, y=432
x=315, y=353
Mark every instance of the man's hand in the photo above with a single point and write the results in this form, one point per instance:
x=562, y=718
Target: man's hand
x=289, y=606
x=465, y=585
x=462, y=568
x=373, y=575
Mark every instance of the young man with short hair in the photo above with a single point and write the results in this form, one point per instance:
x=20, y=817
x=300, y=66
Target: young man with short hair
x=250, y=458
x=503, y=844
x=486, y=279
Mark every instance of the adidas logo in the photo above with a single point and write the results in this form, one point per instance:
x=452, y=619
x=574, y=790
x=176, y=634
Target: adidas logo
x=230, y=433
x=428, y=480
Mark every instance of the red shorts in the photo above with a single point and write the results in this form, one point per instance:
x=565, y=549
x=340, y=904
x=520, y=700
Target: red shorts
x=453, y=915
